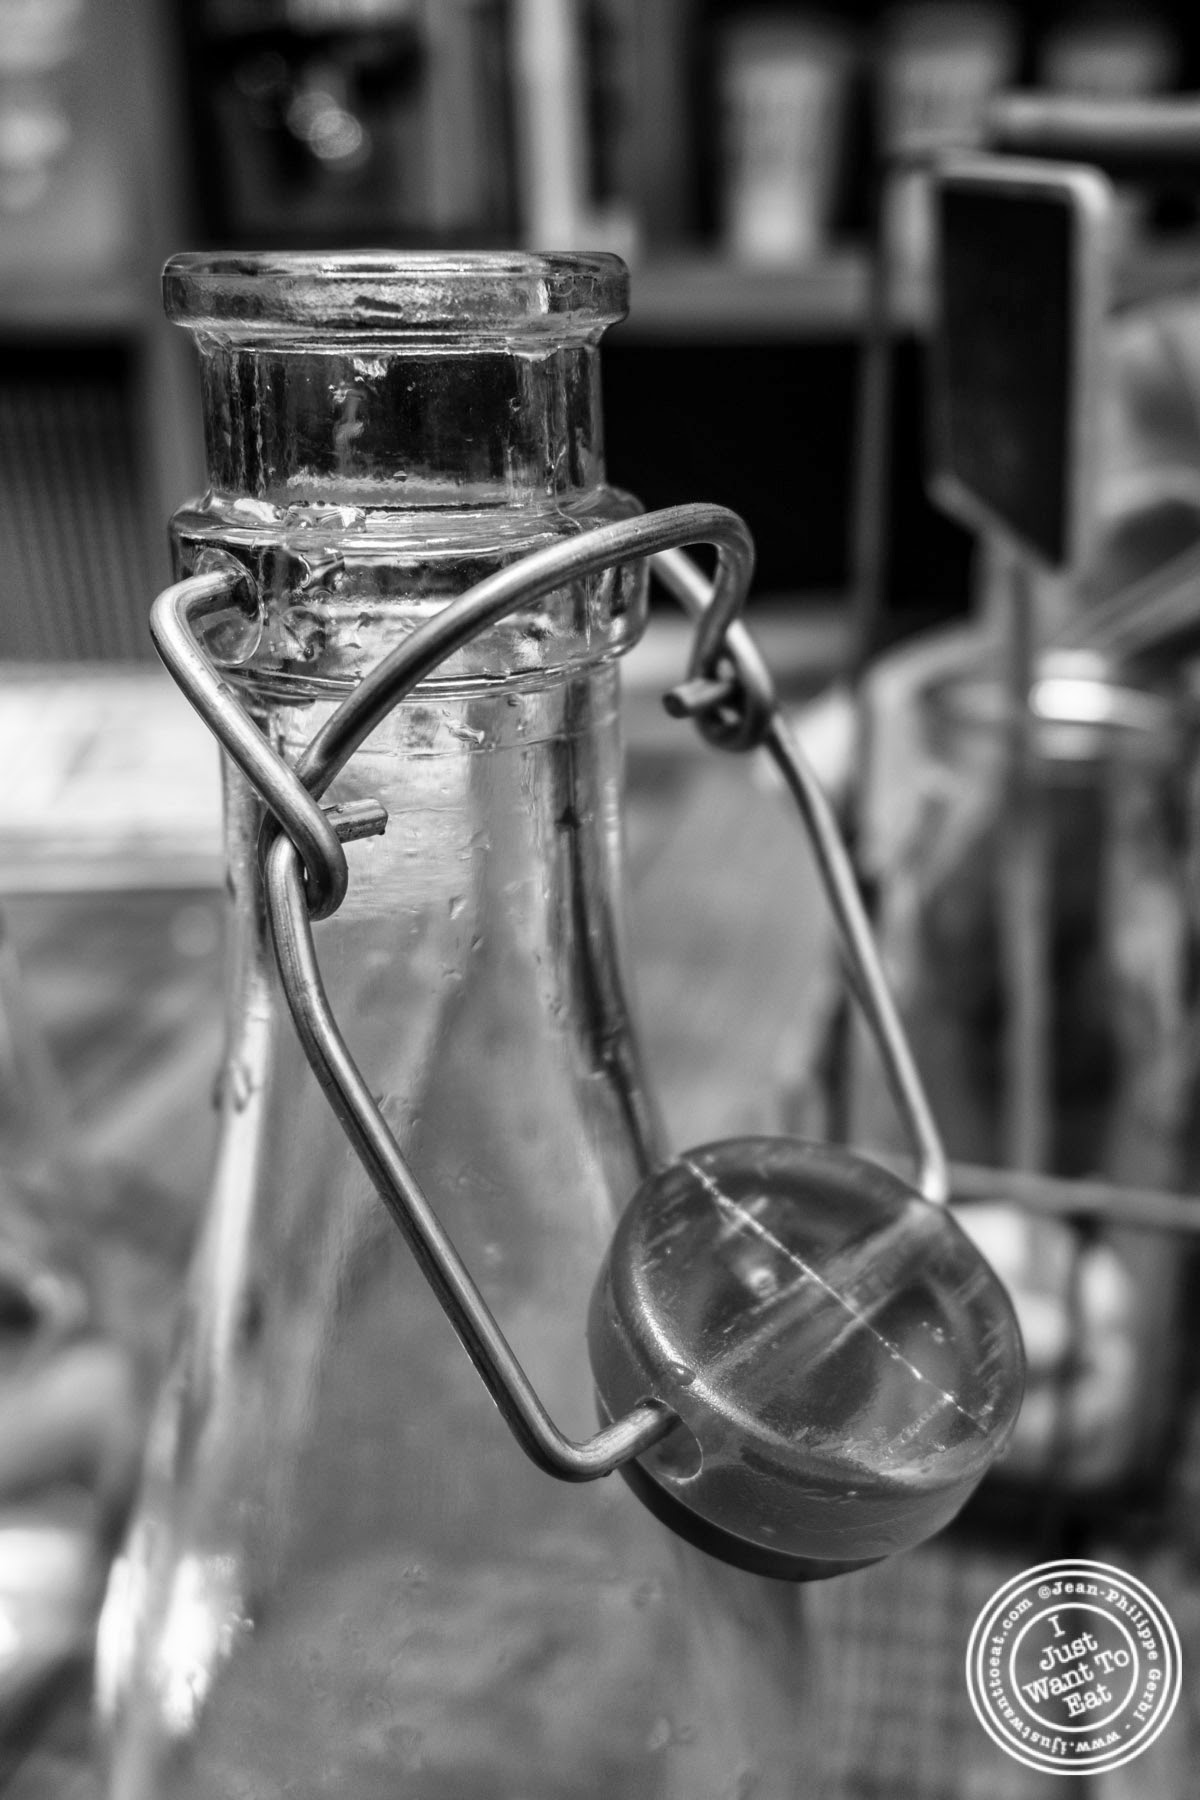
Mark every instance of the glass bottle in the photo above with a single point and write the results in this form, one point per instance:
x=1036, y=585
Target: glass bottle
x=342, y=1577
x=1108, y=937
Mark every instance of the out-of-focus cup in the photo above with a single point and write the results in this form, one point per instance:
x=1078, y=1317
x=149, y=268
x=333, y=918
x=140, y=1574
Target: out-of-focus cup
x=1112, y=54
x=782, y=87
x=1113, y=934
x=939, y=62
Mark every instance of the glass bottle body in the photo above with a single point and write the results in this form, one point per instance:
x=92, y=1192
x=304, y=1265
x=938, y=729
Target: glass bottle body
x=1084, y=935
x=343, y=1576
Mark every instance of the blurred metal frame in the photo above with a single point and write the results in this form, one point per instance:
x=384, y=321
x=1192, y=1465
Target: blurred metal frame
x=1137, y=139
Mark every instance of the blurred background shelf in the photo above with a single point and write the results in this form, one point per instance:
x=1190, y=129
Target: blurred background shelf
x=133, y=128
x=704, y=295
x=112, y=306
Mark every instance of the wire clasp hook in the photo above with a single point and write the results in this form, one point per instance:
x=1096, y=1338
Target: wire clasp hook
x=730, y=694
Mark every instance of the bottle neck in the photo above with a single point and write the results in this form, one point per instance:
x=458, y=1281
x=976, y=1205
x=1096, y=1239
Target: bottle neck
x=446, y=424
x=481, y=936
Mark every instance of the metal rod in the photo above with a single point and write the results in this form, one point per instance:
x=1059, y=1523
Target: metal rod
x=859, y=948
x=689, y=586
x=873, y=448
x=536, y=577
x=1023, y=900
x=740, y=712
x=173, y=618
x=1080, y=1198
x=1144, y=618
x=1097, y=1202
x=381, y=1157
x=700, y=599
x=1122, y=137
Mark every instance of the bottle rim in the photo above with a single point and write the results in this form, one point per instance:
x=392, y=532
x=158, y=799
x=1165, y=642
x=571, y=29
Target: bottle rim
x=1082, y=710
x=255, y=296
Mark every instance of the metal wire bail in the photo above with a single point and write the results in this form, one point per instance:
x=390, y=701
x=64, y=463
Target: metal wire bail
x=730, y=695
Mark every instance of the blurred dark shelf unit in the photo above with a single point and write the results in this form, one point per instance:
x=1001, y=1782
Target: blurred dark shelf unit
x=732, y=422
x=561, y=123
x=743, y=386
x=751, y=374
x=769, y=428
x=704, y=295
x=327, y=122
x=694, y=296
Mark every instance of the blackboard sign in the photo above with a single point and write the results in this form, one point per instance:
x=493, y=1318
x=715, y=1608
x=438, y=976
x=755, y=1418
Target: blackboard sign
x=1021, y=293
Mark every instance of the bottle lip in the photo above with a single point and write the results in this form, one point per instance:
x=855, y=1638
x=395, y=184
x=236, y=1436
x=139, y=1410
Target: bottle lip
x=1083, y=709
x=382, y=295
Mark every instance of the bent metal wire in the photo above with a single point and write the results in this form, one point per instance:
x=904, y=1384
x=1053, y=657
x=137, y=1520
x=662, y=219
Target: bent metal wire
x=728, y=692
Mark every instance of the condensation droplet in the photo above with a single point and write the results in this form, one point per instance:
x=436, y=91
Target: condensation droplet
x=303, y=635
x=235, y=1083
x=466, y=734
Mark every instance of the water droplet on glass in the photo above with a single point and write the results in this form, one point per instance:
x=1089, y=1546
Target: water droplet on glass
x=759, y=1278
x=236, y=1084
x=231, y=632
x=258, y=512
x=466, y=734
x=303, y=635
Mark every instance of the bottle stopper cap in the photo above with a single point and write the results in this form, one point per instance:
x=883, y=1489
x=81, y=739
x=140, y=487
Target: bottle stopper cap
x=843, y=1362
